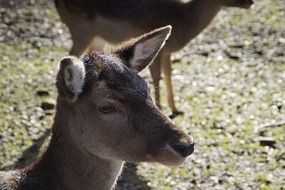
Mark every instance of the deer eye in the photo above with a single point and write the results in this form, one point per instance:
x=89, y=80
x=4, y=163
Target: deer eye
x=107, y=109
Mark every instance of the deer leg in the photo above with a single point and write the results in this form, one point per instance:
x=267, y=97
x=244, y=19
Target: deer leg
x=97, y=44
x=81, y=42
x=166, y=67
x=155, y=71
x=79, y=46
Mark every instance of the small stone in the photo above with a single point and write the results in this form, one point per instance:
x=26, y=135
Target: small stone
x=42, y=93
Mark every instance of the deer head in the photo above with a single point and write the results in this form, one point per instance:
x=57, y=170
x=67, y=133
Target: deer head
x=110, y=110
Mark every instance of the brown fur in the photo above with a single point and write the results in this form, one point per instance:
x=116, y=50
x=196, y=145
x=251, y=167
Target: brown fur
x=117, y=20
x=99, y=124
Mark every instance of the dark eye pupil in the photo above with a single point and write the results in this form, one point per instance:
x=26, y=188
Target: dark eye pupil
x=107, y=109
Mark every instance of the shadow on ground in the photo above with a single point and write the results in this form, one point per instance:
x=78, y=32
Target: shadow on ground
x=30, y=153
x=130, y=180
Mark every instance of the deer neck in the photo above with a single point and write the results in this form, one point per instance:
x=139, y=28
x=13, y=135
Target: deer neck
x=65, y=167
x=198, y=14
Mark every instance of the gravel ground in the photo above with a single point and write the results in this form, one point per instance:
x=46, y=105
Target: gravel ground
x=229, y=81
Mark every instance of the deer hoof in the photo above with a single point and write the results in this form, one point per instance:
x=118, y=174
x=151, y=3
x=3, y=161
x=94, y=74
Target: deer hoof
x=175, y=114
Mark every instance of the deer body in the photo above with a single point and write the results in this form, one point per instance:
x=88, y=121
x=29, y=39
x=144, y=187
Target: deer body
x=115, y=21
x=104, y=117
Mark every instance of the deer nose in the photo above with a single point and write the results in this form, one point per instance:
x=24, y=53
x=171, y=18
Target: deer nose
x=183, y=149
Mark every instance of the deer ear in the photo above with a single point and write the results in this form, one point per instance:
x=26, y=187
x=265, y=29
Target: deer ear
x=71, y=77
x=140, y=52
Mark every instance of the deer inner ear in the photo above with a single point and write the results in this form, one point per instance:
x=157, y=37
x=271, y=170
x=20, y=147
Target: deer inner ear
x=138, y=53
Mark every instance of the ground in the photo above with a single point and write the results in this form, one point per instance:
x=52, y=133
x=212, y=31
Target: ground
x=229, y=81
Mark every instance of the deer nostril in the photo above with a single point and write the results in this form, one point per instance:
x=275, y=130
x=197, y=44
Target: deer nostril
x=250, y=2
x=183, y=149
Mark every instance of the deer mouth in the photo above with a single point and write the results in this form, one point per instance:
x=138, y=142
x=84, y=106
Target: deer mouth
x=173, y=154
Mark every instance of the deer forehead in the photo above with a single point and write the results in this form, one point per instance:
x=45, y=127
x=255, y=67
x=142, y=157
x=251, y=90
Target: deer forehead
x=113, y=79
x=134, y=91
x=101, y=60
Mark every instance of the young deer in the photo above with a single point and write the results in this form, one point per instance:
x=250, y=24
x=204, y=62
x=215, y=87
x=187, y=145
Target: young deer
x=117, y=20
x=104, y=116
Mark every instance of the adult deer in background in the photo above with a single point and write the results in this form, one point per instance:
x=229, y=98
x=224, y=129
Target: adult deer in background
x=104, y=116
x=117, y=20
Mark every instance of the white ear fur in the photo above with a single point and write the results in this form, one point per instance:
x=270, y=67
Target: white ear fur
x=149, y=47
x=73, y=74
